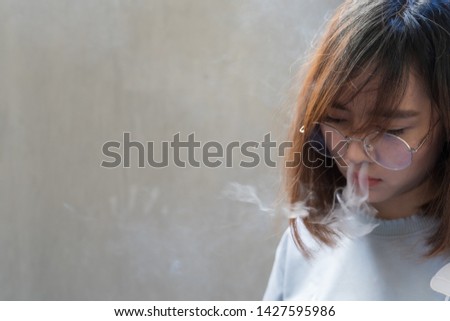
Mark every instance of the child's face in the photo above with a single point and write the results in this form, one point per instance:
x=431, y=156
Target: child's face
x=395, y=193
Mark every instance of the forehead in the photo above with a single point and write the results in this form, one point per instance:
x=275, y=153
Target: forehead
x=361, y=97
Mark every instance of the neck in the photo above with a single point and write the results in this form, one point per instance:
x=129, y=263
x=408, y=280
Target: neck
x=388, y=212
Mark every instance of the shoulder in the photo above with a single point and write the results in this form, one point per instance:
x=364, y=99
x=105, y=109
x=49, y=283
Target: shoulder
x=287, y=247
x=289, y=268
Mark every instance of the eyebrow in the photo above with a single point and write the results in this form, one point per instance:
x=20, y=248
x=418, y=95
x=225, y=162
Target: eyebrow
x=398, y=114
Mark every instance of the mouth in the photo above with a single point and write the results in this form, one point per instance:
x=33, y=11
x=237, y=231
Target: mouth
x=371, y=181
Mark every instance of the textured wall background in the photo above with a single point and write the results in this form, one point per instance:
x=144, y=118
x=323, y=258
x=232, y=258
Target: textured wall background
x=76, y=74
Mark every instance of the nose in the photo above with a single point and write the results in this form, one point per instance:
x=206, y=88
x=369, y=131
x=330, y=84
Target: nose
x=355, y=152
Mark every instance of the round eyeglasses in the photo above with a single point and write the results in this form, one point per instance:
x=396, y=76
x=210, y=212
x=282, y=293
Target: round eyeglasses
x=385, y=149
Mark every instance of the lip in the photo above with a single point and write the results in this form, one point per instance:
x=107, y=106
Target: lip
x=371, y=181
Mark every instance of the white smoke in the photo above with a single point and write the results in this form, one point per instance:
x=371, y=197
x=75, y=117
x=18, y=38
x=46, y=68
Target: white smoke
x=248, y=194
x=351, y=215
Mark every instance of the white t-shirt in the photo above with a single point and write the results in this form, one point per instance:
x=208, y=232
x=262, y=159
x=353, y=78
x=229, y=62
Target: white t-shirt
x=387, y=264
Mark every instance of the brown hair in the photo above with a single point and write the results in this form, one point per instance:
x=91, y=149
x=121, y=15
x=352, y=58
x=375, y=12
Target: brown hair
x=384, y=39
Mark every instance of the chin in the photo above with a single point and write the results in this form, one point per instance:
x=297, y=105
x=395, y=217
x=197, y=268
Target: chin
x=376, y=197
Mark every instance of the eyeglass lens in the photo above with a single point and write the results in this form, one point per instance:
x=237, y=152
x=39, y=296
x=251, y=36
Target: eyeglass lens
x=387, y=150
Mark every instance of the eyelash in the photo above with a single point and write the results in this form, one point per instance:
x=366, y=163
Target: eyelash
x=330, y=119
x=396, y=132
x=333, y=120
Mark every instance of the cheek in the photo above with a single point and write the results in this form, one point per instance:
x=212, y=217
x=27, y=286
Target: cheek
x=420, y=169
x=426, y=159
x=404, y=179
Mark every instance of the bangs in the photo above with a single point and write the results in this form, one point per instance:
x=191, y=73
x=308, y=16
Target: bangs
x=386, y=85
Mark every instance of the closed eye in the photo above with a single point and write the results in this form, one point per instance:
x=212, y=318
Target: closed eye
x=396, y=132
x=334, y=120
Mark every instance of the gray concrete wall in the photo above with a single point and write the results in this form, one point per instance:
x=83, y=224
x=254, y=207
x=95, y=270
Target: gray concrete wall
x=77, y=74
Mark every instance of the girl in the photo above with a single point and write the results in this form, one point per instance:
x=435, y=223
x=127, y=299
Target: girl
x=375, y=101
